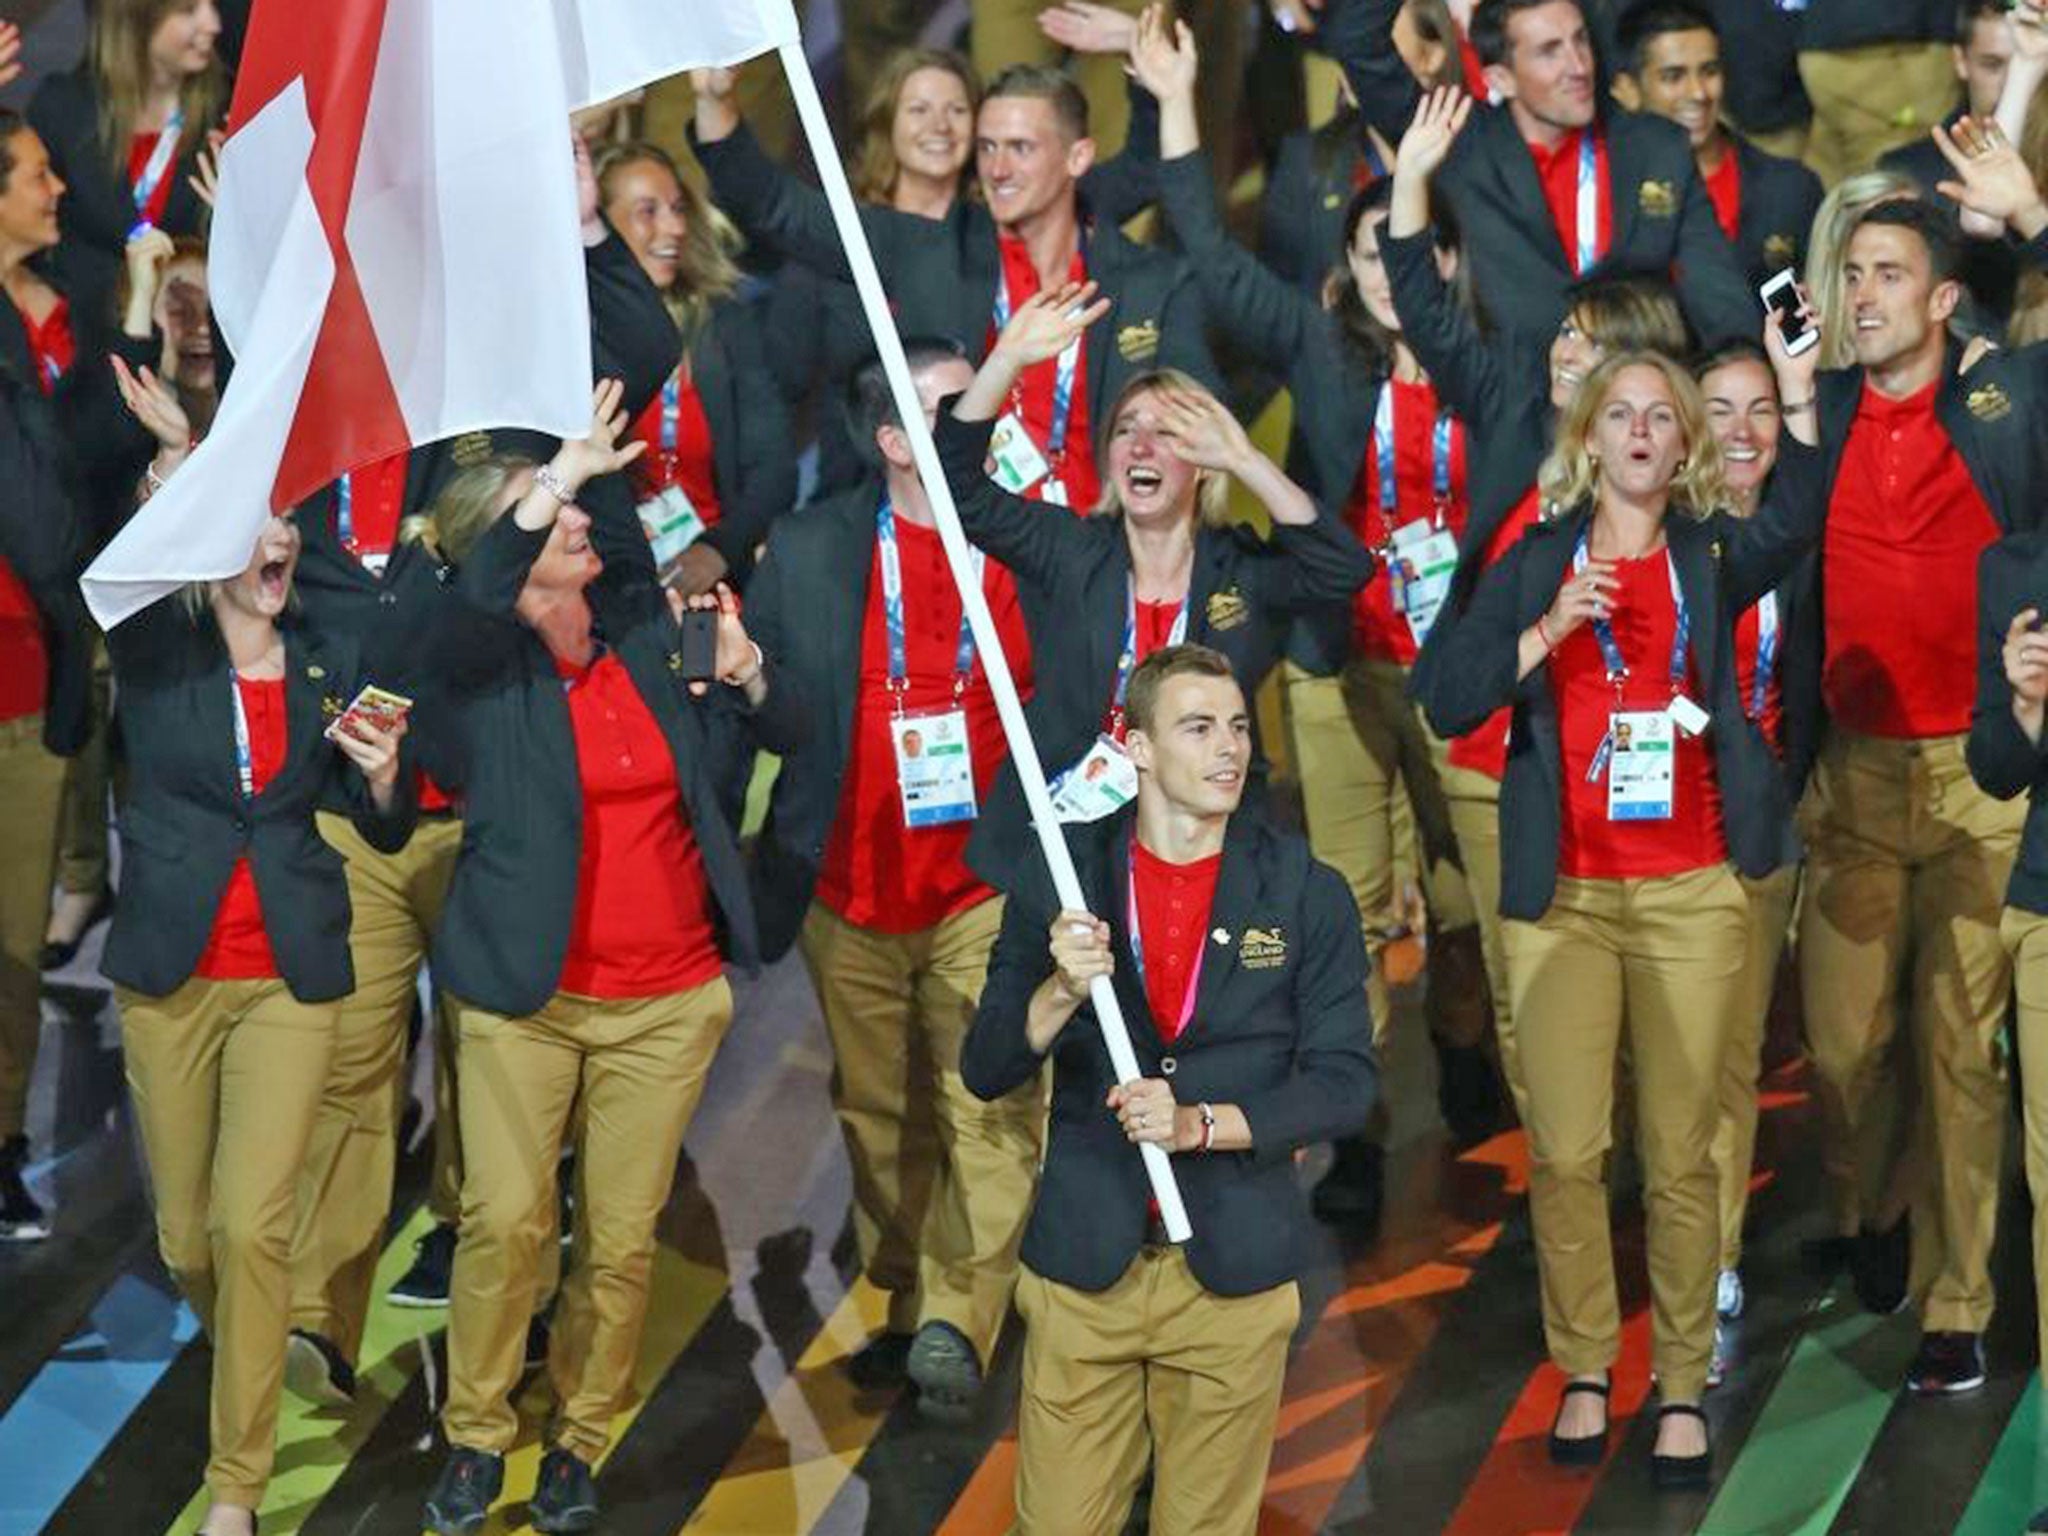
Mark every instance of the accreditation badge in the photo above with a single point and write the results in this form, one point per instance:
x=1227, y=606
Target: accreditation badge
x=672, y=525
x=1099, y=785
x=1018, y=464
x=1641, y=765
x=1421, y=564
x=934, y=767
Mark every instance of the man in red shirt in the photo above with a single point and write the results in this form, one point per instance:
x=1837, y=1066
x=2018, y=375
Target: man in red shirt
x=1239, y=967
x=1908, y=858
x=1671, y=65
x=863, y=864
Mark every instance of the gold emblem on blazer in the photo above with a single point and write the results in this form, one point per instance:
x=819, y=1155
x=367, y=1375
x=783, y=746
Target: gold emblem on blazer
x=1138, y=343
x=316, y=672
x=1779, y=250
x=1989, y=402
x=470, y=449
x=1262, y=949
x=331, y=707
x=675, y=662
x=1657, y=199
x=1228, y=609
x=1331, y=199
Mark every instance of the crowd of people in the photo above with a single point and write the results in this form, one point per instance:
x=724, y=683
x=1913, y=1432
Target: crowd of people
x=1646, y=556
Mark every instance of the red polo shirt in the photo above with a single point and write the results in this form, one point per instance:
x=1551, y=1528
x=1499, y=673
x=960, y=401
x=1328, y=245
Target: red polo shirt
x=1485, y=750
x=52, y=344
x=1173, y=902
x=1032, y=398
x=239, y=949
x=140, y=148
x=1558, y=171
x=1378, y=629
x=376, y=502
x=642, y=926
x=876, y=872
x=1724, y=191
x=690, y=464
x=1644, y=621
x=1905, y=527
x=24, y=661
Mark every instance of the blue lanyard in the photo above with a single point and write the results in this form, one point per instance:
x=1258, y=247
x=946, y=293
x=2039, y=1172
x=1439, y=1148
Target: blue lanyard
x=345, y=512
x=153, y=171
x=1610, y=650
x=1766, y=654
x=892, y=612
x=1127, y=658
x=245, y=758
x=672, y=413
x=1065, y=371
x=1389, y=473
x=53, y=372
x=1589, y=203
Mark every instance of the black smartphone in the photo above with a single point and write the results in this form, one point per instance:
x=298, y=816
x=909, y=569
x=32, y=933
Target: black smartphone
x=700, y=645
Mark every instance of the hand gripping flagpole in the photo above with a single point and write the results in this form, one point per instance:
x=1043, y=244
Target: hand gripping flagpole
x=1023, y=751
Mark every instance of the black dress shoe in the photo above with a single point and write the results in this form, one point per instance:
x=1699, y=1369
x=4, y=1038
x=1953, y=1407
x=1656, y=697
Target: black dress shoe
x=881, y=1364
x=1880, y=1266
x=2039, y=1523
x=58, y=953
x=1578, y=1450
x=1353, y=1192
x=1676, y=1472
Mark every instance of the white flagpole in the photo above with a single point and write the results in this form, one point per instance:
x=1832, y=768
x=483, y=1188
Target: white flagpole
x=1023, y=751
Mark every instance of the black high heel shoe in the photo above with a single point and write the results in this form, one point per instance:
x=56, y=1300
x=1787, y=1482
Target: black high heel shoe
x=1674, y=1472
x=56, y=953
x=1578, y=1450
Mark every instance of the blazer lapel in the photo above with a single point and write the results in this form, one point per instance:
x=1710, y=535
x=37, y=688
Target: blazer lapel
x=842, y=595
x=1625, y=169
x=1963, y=396
x=1236, y=901
x=309, y=688
x=1515, y=174
x=1695, y=551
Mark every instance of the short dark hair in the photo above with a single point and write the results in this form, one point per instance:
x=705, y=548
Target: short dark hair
x=1935, y=227
x=1160, y=668
x=1044, y=82
x=1970, y=12
x=1489, y=31
x=871, y=405
x=1642, y=25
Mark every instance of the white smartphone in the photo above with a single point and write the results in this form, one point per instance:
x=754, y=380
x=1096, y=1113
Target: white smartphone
x=1781, y=294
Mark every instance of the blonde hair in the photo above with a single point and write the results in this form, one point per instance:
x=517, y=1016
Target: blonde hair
x=707, y=270
x=117, y=52
x=1571, y=475
x=1212, y=495
x=465, y=508
x=874, y=169
x=1827, y=250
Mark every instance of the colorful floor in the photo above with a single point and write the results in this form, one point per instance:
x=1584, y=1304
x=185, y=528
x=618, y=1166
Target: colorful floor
x=1417, y=1399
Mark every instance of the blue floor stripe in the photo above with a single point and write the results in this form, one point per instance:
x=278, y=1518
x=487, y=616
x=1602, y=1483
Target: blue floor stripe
x=70, y=1413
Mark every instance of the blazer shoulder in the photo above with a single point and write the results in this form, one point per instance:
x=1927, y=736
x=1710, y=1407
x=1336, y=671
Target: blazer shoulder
x=1653, y=134
x=64, y=101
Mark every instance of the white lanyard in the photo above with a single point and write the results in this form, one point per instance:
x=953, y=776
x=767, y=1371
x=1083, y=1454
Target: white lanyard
x=1589, y=204
x=245, y=758
x=159, y=162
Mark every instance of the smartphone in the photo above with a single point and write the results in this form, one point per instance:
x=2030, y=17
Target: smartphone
x=1781, y=294
x=700, y=644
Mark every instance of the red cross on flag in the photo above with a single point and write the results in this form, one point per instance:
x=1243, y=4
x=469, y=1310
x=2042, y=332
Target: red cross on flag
x=395, y=253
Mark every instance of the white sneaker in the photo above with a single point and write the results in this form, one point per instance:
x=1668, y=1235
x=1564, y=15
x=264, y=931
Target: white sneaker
x=1728, y=1297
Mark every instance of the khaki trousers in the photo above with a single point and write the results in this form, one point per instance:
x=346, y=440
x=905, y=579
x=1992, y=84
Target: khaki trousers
x=1662, y=959
x=2026, y=940
x=82, y=846
x=1156, y=1370
x=345, y=1181
x=1472, y=800
x=1869, y=101
x=31, y=790
x=942, y=1182
x=226, y=1078
x=1907, y=866
x=1770, y=920
x=639, y=1068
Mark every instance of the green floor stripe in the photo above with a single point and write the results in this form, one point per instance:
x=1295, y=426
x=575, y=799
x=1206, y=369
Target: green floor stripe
x=2015, y=1482
x=1818, y=1424
x=315, y=1444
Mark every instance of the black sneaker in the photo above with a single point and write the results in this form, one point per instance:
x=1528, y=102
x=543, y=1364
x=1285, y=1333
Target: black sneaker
x=880, y=1365
x=315, y=1370
x=1880, y=1266
x=21, y=1219
x=426, y=1283
x=1354, y=1189
x=469, y=1484
x=565, y=1497
x=2039, y=1523
x=1948, y=1363
x=946, y=1370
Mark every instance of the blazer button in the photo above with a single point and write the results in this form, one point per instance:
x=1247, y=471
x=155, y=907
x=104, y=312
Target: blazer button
x=388, y=599
x=1168, y=1066
x=241, y=827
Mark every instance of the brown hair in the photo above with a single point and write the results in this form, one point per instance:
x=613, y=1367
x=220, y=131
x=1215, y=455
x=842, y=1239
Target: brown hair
x=464, y=509
x=708, y=270
x=1159, y=669
x=1623, y=314
x=1042, y=82
x=1571, y=475
x=117, y=53
x=1434, y=23
x=1212, y=496
x=874, y=169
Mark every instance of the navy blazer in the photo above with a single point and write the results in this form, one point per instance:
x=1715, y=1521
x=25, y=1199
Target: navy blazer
x=505, y=931
x=1774, y=212
x=185, y=823
x=1725, y=564
x=753, y=449
x=2012, y=576
x=1280, y=1028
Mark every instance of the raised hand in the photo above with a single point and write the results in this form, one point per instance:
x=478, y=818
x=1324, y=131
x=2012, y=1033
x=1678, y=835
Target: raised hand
x=1795, y=372
x=738, y=660
x=10, y=53
x=1205, y=432
x=584, y=459
x=205, y=177
x=718, y=109
x=155, y=404
x=1427, y=144
x=1086, y=27
x=1298, y=17
x=1163, y=58
x=1992, y=178
x=1049, y=322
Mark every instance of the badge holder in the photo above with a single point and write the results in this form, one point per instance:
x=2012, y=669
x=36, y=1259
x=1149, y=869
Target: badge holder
x=672, y=525
x=934, y=763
